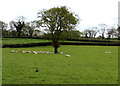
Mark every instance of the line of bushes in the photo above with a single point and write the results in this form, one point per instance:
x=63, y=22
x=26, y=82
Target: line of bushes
x=92, y=43
x=80, y=39
x=26, y=45
x=62, y=43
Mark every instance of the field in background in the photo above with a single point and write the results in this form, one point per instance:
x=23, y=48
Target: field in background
x=22, y=40
x=8, y=41
x=86, y=65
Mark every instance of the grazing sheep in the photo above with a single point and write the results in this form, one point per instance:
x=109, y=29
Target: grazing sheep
x=34, y=52
x=67, y=55
x=12, y=51
x=106, y=52
x=23, y=51
x=47, y=52
x=61, y=53
x=29, y=52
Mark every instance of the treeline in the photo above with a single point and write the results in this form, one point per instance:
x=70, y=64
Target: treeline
x=20, y=28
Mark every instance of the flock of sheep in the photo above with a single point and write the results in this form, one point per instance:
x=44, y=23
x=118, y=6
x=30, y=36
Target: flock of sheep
x=39, y=52
x=107, y=52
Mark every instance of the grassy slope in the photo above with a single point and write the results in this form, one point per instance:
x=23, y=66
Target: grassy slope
x=21, y=40
x=87, y=65
x=30, y=40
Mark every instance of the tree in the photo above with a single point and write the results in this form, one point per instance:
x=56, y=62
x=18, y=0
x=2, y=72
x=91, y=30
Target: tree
x=111, y=33
x=75, y=34
x=103, y=28
x=19, y=24
x=57, y=20
x=3, y=27
x=36, y=33
x=118, y=32
x=29, y=28
x=85, y=33
x=12, y=29
x=94, y=31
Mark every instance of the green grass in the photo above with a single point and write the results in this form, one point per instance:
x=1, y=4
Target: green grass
x=30, y=40
x=21, y=40
x=86, y=65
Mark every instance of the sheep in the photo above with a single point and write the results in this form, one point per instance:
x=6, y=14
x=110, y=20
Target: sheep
x=47, y=52
x=37, y=51
x=67, y=55
x=23, y=51
x=29, y=52
x=107, y=52
x=61, y=53
x=12, y=51
x=34, y=52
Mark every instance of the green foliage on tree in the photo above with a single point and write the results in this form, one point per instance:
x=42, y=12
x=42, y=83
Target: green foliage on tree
x=29, y=28
x=19, y=24
x=57, y=20
x=118, y=32
x=3, y=31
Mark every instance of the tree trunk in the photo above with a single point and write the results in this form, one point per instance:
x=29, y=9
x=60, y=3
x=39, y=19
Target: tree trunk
x=103, y=36
x=19, y=34
x=55, y=50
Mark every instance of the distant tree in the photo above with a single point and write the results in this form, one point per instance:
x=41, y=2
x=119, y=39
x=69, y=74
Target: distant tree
x=29, y=28
x=12, y=29
x=94, y=31
x=111, y=33
x=3, y=25
x=3, y=28
x=57, y=20
x=118, y=29
x=103, y=28
x=75, y=34
x=36, y=33
x=85, y=33
x=19, y=24
x=91, y=32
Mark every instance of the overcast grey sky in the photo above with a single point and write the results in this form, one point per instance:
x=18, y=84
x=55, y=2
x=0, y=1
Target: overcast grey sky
x=92, y=12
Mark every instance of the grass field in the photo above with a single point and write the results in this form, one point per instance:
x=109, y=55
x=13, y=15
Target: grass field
x=21, y=40
x=86, y=65
x=30, y=40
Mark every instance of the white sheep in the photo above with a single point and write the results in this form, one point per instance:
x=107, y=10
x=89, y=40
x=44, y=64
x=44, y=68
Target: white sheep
x=48, y=52
x=29, y=52
x=12, y=51
x=23, y=51
x=34, y=52
x=61, y=53
x=67, y=55
x=106, y=52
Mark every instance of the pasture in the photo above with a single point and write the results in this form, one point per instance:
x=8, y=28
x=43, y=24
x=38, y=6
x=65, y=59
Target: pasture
x=22, y=40
x=86, y=65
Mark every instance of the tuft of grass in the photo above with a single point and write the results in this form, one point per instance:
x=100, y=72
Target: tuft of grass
x=86, y=65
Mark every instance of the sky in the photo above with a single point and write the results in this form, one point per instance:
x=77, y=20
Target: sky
x=91, y=12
